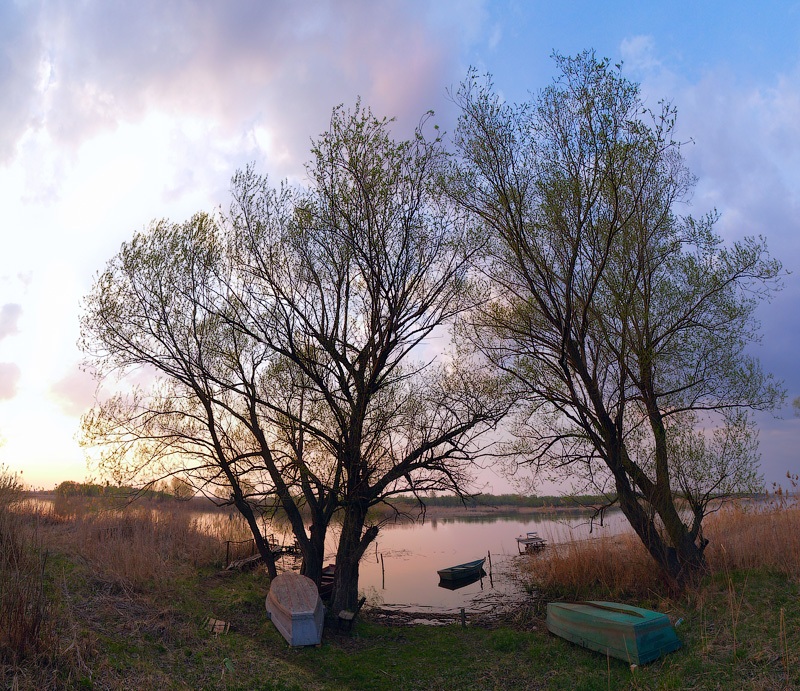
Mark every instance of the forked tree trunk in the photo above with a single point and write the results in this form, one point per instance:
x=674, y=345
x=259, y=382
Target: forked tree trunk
x=314, y=553
x=353, y=543
x=678, y=557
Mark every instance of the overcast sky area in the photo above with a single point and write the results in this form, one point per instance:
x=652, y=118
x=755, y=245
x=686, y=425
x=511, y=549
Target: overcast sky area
x=115, y=113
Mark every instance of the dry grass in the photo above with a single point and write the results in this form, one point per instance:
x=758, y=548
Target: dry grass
x=126, y=600
x=144, y=545
x=141, y=547
x=740, y=537
x=24, y=622
x=745, y=537
x=607, y=567
x=133, y=560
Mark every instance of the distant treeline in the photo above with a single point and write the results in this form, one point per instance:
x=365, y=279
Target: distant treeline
x=572, y=501
x=69, y=488
x=514, y=500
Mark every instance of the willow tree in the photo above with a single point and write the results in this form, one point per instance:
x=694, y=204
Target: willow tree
x=283, y=349
x=624, y=323
x=348, y=283
x=188, y=396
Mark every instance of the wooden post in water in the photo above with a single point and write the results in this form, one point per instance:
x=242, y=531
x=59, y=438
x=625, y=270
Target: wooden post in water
x=383, y=574
x=491, y=580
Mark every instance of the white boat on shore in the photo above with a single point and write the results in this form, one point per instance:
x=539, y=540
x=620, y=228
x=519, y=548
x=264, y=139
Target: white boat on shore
x=294, y=606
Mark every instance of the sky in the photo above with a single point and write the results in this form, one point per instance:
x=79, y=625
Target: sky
x=116, y=113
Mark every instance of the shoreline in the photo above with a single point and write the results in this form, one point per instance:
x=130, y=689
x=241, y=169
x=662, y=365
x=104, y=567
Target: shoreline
x=444, y=512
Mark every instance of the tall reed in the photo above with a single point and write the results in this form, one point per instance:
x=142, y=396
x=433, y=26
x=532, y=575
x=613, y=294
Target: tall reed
x=609, y=567
x=741, y=536
x=747, y=536
x=141, y=547
x=24, y=609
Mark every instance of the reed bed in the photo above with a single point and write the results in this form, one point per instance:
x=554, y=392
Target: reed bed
x=131, y=556
x=25, y=625
x=610, y=567
x=740, y=537
x=744, y=537
x=143, y=548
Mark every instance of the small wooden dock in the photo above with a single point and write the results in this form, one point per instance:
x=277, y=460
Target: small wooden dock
x=242, y=554
x=531, y=542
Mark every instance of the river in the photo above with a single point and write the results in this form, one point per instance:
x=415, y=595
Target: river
x=399, y=570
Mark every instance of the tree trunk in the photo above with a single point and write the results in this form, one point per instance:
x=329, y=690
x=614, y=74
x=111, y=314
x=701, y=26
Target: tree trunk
x=682, y=560
x=352, y=546
x=261, y=544
x=314, y=552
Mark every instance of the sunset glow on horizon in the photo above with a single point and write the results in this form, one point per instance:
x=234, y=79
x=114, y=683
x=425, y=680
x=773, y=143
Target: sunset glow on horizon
x=115, y=114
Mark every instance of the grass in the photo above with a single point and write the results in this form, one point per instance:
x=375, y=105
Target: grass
x=126, y=593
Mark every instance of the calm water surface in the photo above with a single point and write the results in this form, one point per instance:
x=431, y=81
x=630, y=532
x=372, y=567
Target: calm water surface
x=412, y=554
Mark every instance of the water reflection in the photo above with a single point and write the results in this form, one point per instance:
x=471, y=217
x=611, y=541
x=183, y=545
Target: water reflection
x=458, y=583
x=413, y=553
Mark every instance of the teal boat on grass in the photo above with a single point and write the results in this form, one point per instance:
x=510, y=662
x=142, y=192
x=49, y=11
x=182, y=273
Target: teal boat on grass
x=632, y=634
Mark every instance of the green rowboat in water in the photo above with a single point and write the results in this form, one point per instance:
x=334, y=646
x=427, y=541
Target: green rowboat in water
x=633, y=634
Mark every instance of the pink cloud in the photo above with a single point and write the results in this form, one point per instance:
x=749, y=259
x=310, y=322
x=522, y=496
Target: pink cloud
x=280, y=65
x=75, y=392
x=9, y=378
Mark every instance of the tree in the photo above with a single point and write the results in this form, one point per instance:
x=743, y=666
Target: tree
x=180, y=488
x=281, y=345
x=623, y=323
x=346, y=283
x=153, y=313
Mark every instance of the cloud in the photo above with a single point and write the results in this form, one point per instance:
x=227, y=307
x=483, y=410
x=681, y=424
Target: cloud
x=239, y=64
x=639, y=53
x=744, y=147
x=19, y=73
x=75, y=392
x=9, y=316
x=9, y=377
x=227, y=83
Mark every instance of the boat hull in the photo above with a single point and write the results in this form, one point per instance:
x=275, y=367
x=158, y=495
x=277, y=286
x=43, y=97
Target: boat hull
x=327, y=581
x=632, y=634
x=294, y=606
x=462, y=571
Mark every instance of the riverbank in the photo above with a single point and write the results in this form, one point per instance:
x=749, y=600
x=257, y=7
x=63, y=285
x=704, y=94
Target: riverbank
x=126, y=598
